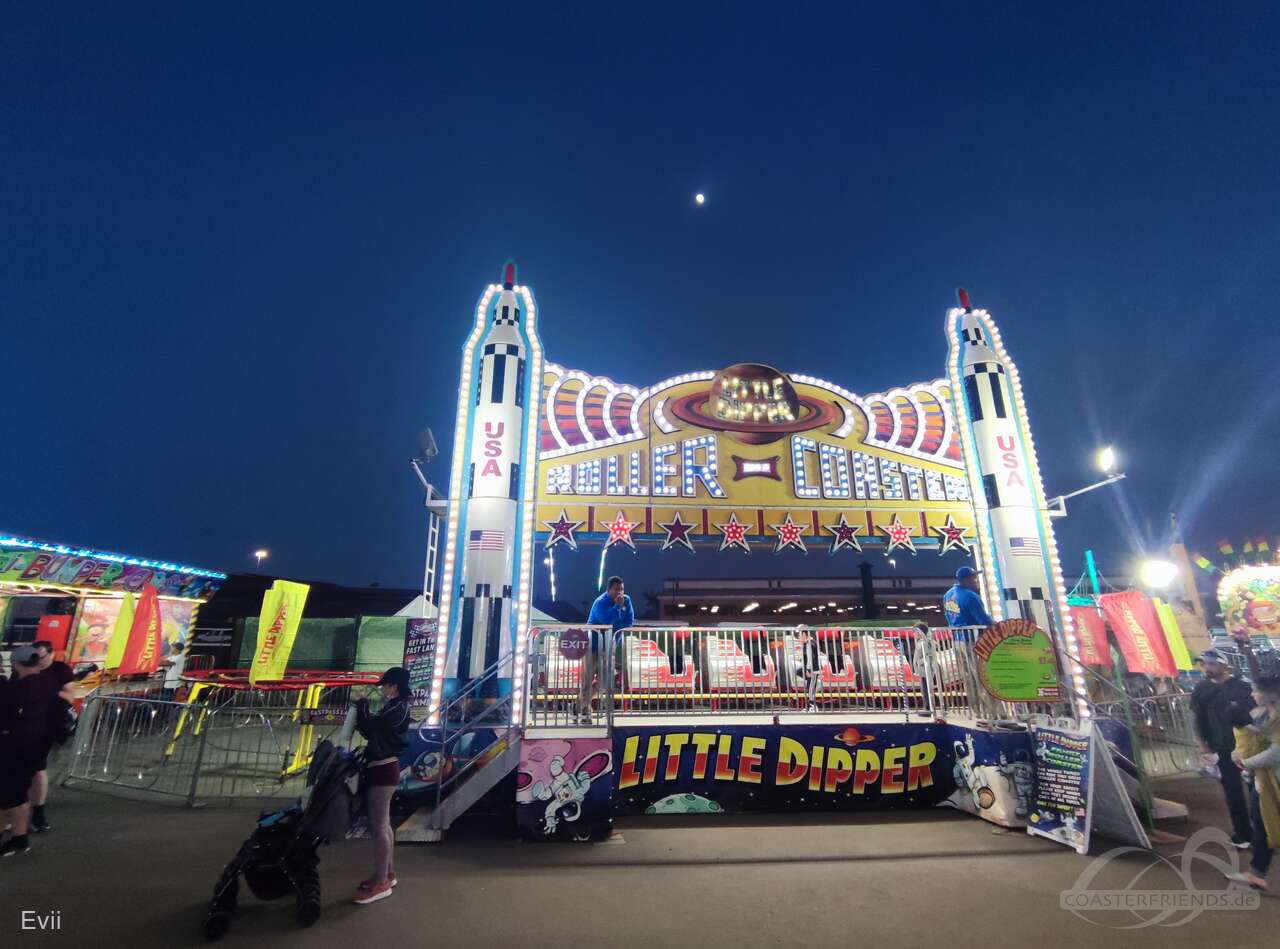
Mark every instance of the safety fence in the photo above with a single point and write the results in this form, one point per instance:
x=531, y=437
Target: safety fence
x=690, y=671
x=216, y=745
x=1162, y=731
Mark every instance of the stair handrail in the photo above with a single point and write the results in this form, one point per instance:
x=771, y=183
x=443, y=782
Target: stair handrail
x=454, y=727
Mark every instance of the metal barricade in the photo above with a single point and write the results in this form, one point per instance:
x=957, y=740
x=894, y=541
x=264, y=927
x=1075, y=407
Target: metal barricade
x=559, y=657
x=1163, y=730
x=217, y=745
x=662, y=671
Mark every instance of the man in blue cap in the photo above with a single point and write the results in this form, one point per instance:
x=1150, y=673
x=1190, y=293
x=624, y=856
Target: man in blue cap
x=962, y=604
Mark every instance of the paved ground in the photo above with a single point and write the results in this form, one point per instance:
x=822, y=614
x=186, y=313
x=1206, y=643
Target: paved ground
x=130, y=873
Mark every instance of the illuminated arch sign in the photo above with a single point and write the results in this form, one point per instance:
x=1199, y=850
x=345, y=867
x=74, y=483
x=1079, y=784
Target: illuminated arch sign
x=748, y=458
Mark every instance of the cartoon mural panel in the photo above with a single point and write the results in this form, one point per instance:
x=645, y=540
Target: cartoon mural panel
x=994, y=775
x=564, y=788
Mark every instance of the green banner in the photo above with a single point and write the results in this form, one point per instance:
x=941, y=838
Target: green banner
x=1017, y=662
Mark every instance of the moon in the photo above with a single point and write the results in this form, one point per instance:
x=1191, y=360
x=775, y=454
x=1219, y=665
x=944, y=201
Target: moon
x=700, y=198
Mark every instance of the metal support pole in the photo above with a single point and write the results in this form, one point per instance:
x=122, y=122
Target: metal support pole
x=195, y=772
x=1117, y=678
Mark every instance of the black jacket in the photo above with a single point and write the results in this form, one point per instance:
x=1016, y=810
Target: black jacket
x=1216, y=707
x=384, y=733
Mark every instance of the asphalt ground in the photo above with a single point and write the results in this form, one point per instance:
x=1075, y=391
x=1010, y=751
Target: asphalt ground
x=135, y=873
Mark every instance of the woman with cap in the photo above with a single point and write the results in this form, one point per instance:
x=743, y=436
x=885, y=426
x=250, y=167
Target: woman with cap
x=384, y=734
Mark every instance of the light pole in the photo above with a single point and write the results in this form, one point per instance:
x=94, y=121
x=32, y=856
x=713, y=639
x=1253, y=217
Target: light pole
x=437, y=506
x=1106, y=462
x=260, y=555
x=1157, y=574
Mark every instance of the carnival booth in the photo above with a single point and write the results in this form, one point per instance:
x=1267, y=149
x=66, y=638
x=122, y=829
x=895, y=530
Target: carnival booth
x=74, y=597
x=552, y=462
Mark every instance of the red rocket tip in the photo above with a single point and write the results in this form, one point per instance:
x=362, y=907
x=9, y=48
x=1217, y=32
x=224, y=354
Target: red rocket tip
x=509, y=275
x=963, y=296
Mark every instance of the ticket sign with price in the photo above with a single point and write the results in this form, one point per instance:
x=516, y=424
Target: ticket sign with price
x=1017, y=662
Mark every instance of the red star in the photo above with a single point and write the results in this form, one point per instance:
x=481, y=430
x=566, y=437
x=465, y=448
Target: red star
x=562, y=530
x=844, y=534
x=898, y=535
x=950, y=537
x=620, y=531
x=789, y=535
x=735, y=534
x=677, y=533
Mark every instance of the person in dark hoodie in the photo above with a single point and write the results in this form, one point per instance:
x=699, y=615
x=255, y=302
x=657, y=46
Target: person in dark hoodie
x=27, y=702
x=384, y=733
x=1217, y=702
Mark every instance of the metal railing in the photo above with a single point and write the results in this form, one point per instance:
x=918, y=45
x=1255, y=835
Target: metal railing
x=559, y=658
x=216, y=745
x=1162, y=729
x=477, y=709
x=692, y=671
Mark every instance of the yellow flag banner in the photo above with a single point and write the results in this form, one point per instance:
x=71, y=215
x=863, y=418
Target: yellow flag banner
x=277, y=628
x=120, y=632
x=1173, y=634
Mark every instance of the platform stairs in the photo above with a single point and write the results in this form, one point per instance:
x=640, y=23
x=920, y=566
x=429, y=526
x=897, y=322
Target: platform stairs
x=472, y=717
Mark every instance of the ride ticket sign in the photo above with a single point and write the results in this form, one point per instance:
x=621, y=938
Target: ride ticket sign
x=1017, y=662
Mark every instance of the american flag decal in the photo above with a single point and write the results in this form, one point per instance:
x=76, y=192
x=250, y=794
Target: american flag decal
x=487, y=540
x=1024, y=546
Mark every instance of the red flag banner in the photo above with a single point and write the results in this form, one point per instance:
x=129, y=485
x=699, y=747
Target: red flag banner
x=1091, y=634
x=1138, y=633
x=142, y=654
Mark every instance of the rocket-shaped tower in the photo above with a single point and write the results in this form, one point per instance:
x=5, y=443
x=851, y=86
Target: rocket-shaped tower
x=1019, y=555
x=484, y=603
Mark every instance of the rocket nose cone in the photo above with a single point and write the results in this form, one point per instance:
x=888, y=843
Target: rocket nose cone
x=509, y=275
x=963, y=296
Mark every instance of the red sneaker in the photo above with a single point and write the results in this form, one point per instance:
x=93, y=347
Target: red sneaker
x=368, y=884
x=379, y=891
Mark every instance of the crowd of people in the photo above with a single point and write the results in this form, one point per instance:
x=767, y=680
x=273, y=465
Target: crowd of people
x=1238, y=724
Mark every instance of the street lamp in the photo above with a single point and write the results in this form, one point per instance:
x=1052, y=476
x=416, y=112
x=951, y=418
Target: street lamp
x=260, y=555
x=1106, y=462
x=1157, y=574
x=1106, y=459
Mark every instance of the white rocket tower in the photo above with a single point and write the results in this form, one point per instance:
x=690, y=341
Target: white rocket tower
x=1022, y=575
x=484, y=603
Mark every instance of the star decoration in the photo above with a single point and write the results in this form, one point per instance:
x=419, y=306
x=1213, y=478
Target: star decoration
x=620, y=531
x=789, y=535
x=844, y=534
x=562, y=530
x=898, y=535
x=677, y=533
x=735, y=534
x=950, y=537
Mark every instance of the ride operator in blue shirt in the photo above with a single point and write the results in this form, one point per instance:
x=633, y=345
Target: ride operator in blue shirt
x=962, y=604
x=612, y=608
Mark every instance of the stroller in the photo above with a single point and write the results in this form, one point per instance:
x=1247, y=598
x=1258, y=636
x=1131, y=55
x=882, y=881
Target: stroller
x=280, y=857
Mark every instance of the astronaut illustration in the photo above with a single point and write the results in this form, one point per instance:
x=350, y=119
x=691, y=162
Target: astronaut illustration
x=565, y=791
x=970, y=778
x=1021, y=774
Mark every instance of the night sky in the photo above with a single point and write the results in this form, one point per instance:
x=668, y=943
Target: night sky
x=239, y=256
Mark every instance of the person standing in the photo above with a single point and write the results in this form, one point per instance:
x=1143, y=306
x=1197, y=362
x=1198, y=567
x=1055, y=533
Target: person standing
x=26, y=707
x=612, y=608
x=922, y=662
x=385, y=738
x=1217, y=701
x=962, y=604
x=810, y=668
x=59, y=706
